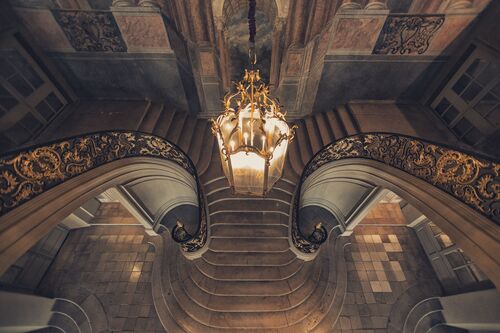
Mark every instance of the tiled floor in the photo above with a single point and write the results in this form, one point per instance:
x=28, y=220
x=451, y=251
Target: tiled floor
x=114, y=263
x=382, y=263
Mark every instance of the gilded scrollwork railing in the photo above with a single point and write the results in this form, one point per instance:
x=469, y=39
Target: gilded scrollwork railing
x=472, y=179
x=30, y=172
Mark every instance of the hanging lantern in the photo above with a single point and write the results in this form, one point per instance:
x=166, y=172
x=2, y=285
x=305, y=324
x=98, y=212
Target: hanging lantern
x=253, y=137
x=252, y=132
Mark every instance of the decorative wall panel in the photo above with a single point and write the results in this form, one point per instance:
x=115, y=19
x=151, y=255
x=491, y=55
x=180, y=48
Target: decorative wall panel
x=404, y=34
x=91, y=31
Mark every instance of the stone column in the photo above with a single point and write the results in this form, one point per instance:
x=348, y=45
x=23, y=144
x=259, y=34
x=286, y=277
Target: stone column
x=376, y=4
x=223, y=58
x=350, y=4
x=297, y=24
x=276, y=52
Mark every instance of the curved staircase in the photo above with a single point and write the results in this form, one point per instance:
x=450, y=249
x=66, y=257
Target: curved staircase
x=249, y=280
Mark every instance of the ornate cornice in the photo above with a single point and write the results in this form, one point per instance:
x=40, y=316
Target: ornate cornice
x=28, y=173
x=471, y=179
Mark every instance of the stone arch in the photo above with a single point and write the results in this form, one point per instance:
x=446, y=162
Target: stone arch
x=59, y=177
x=435, y=179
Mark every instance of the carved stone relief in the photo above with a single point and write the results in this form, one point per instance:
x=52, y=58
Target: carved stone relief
x=91, y=31
x=403, y=34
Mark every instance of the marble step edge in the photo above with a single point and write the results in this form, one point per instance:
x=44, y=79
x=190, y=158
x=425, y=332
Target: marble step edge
x=281, y=278
x=226, y=304
x=224, y=187
x=262, y=245
x=225, y=211
x=311, y=286
x=248, y=237
x=285, y=263
x=244, y=230
x=192, y=271
x=261, y=314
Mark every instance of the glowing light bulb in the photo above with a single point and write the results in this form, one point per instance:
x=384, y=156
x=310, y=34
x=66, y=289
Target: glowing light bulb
x=263, y=142
x=231, y=143
x=245, y=135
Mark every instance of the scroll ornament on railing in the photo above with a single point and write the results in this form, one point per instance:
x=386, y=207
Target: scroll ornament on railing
x=28, y=173
x=473, y=180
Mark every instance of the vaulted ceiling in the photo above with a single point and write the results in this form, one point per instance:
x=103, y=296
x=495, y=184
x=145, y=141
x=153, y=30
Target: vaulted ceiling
x=315, y=53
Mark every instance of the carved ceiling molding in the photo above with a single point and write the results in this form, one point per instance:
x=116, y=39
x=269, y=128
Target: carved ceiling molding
x=407, y=34
x=473, y=180
x=91, y=31
x=28, y=173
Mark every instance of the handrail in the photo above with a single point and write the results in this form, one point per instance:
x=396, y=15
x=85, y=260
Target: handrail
x=469, y=177
x=29, y=172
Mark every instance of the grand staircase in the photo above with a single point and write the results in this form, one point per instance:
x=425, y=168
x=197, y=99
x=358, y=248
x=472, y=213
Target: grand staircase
x=249, y=279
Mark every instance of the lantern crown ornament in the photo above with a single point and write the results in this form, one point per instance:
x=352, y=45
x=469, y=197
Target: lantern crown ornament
x=252, y=132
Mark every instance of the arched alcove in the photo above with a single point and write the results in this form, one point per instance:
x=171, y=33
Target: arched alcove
x=473, y=232
x=21, y=228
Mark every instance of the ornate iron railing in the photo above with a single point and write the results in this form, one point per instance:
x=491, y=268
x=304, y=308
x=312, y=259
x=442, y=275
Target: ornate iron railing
x=468, y=177
x=29, y=172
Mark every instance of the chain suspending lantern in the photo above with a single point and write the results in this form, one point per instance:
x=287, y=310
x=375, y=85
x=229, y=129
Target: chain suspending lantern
x=252, y=132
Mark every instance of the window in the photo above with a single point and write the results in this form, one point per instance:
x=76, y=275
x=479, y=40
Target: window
x=453, y=268
x=28, y=99
x=469, y=104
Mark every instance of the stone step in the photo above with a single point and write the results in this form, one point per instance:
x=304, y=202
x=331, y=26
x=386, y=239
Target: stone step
x=307, y=272
x=249, y=245
x=214, y=169
x=198, y=318
x=313, y=134
x=188, y=134
x=151, y=117
x=232, y=303
x=335, y=124
x=348, y=119
x=198, y=142
x=64, y=322
x=210, y=146
x=324, y=129
x=249, y=320
x=294, y=157
x=290, y=173
x=245, y=230
x=226, y=193
x=251, y=218
x=286, y=184
x=214, y=184
x=249, y=273
x=177, y=126
x=248, y=259
x=310, y=310
x=249, y=204
x=232, y=288
x=306, y=152
x=163, y=123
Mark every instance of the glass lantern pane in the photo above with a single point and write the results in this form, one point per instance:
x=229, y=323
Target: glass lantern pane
x=248, y=172
x=277, y=163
